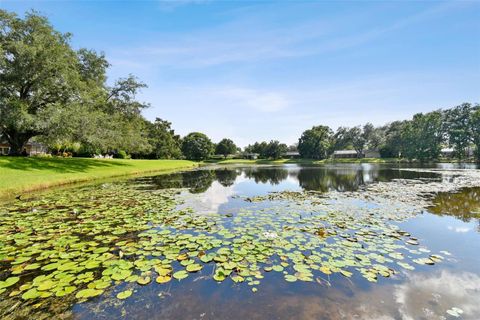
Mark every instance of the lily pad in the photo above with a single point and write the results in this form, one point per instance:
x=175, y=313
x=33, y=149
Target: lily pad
x=179, y=275
x=194, y=267
x=124, y=294
x=88, y=293
x=163, y=279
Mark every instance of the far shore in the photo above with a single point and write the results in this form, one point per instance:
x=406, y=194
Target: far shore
x=20, y=175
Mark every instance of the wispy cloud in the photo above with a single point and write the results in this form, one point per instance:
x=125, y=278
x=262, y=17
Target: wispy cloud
x=250, y=39
x=248, y=113
x=459, y=229
x=430, y=295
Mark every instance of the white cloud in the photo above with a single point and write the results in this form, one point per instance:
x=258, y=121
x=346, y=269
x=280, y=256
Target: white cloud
x=432, y=295
x=459, y=229
x=248, y=38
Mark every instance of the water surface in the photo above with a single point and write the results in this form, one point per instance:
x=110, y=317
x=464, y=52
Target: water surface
x=261, y=204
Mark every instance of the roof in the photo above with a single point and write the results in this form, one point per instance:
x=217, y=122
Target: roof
x=345, y=152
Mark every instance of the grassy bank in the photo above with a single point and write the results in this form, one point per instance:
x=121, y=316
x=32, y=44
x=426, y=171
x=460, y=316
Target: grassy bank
x=18, y=174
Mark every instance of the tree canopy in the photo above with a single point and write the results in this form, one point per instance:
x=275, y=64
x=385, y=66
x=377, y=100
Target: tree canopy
x=422, y=136
x=225, y=147
x=164, y=143
x=315, y=143
x=268, y=150
x=197, y=146
x=49, y=90
x=38, y=75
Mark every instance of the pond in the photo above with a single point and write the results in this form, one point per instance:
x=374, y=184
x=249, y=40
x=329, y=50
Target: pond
x=342, y=241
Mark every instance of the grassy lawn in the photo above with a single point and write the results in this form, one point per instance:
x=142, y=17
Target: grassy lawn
x=18, y=174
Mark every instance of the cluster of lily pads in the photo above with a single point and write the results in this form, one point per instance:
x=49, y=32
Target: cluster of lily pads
x=81, y=244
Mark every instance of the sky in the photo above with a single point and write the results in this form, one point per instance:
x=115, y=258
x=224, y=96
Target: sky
x=263, y=70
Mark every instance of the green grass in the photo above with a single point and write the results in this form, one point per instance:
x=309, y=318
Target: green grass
x=18, y=174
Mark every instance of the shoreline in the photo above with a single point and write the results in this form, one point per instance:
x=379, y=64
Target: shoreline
x=25, y=175
x=331, y=161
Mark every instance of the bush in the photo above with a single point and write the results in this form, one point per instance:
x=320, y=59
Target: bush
x=122, y=154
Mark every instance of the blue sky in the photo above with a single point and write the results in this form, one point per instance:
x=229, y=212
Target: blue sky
x=261, y=70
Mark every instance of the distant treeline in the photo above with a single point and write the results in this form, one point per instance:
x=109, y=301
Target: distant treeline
x=59, y=96
x=421, y=138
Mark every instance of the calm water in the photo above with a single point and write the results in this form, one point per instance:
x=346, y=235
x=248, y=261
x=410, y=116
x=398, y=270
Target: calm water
x=451, y=224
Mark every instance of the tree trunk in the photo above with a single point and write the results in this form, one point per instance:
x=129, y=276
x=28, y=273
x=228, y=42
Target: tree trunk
x=17, y=142
x=359, y=153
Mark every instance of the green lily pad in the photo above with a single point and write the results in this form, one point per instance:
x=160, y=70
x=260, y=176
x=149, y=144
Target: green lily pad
x=290, y=278
x=163, y=279
x=179, y=275
x=144, y=280
x=88, y=293
x=9, y=282
x=124, y=294
x=194, y=267
x=31, y=294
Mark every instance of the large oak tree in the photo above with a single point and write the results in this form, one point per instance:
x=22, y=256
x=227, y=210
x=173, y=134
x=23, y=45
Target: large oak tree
x=50, y=90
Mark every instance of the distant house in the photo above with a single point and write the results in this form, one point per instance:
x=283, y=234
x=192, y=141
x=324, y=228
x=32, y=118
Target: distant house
x=32, y=148
x=450, y=152
x=447, y=152
x=291, y=155
x=4, y=148
x=251, y=156
x=345, y=154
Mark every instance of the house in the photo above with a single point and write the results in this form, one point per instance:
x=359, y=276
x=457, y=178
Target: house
x=291, y=155
x=450, y=152
x=343, y=154
x=32, y=148
x=251, y=156
x=353, y=154
x=4, y=148
x=447, y=152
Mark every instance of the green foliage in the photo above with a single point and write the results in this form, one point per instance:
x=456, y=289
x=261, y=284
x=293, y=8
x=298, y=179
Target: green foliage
x=374, y=136
x=364, y=137
x=271, y=150
x=459, y=129
x=422, y=136
x=122, y=154
x=197, y=146
x=392, y=146
x=37, y=76
x=341, y=139
x=475, y=126
x=164, y=143
x=275, y=150
x=225, y=147
x=49, y=90
x=257, y=147
x=315, y=143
